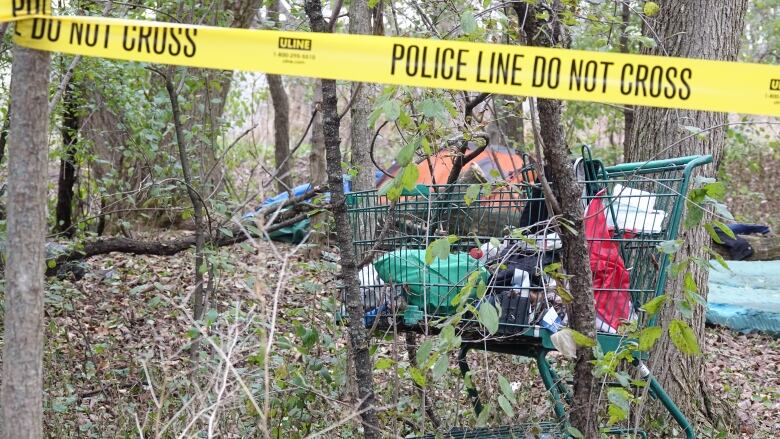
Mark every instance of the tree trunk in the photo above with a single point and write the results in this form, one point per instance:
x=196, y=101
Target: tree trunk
x=4, y=132
x=317, y=172
x=317, y=164
x=584, y=412
x=281, y=102
x=198, y=299
x=67, y=176
x=22, y=405
x=284, y=181
x=359, y=346
x=360, y=23
x=692, y=29
x=628, y=111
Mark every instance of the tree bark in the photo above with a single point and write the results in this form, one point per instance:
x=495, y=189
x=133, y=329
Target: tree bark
x=284, y=182
x=628, y=111
x=22, y=405
x=4, y=132
x=281, y=102
x=360, y=23
x=691, y=29
x=575, y=257
x=359, y=346
x=67, y=176
x=317, y=164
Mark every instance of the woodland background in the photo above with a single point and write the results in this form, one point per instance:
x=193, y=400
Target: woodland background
x=168, y=336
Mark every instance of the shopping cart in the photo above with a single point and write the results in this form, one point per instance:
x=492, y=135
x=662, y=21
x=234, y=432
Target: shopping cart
x=439, y=253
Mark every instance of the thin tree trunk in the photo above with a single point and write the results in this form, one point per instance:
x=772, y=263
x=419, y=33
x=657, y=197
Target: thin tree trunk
x=4, y=132
x=22, y=402
x=198, y=301
x=317, y=164
x=359, y=346
x=584, y=412
x=692, y=29
x=628, y=111
x=317, y=171
x=281, y=104
x=67, y=176
x=360, y=23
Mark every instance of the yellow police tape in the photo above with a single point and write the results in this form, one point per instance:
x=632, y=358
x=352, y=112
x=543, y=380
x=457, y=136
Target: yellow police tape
x=502, y=69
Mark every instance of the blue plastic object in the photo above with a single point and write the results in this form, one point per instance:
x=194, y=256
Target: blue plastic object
x=746, y=298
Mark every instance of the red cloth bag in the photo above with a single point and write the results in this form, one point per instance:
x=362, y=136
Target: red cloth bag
x=610, y=276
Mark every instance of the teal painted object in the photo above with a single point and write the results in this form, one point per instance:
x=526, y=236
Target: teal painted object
x=745, y=298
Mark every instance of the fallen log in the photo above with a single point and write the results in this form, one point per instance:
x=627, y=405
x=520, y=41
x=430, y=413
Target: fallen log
x=765, y=248
x=64, y=260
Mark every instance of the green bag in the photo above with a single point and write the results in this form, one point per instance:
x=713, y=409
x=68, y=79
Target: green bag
x=430, y=287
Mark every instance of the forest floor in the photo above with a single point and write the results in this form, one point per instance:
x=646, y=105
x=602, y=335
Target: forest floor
x=117, y=356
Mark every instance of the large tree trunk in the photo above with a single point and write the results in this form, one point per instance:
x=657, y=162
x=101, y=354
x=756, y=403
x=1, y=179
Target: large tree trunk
x=359, y=347
x=693, y=29
x=22, y=405
x=584, y=412
x=67, y=176
x=360, y=23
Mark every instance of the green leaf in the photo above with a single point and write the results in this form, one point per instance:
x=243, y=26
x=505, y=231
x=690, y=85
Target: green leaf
x=669, y=247
x=713, y=235
x=722, y=211
x=725, y=229
x=581, y=339
x=392, y=110
x=716, y=190
x=410, y=176
x=468, y=23
x=488, y=316
x=472, y=193
x=383, y=363
x=423, y=352
x=439, y=248
x=653, y=305
x=564, y=294
x=433, y=108
x=573, y=432
x=619, y=398
x=685, y=308
x=694, y=215
x=417, y=376
x=440, y=368
x=684, y=338
x=211, y=316
x=689, y=283
x=484, y=415
x=648, y=337
x=405, y=155
x=506, y=389
x=506, y=406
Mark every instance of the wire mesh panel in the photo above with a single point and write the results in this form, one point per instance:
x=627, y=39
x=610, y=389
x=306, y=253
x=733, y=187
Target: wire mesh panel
x=441, y=251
